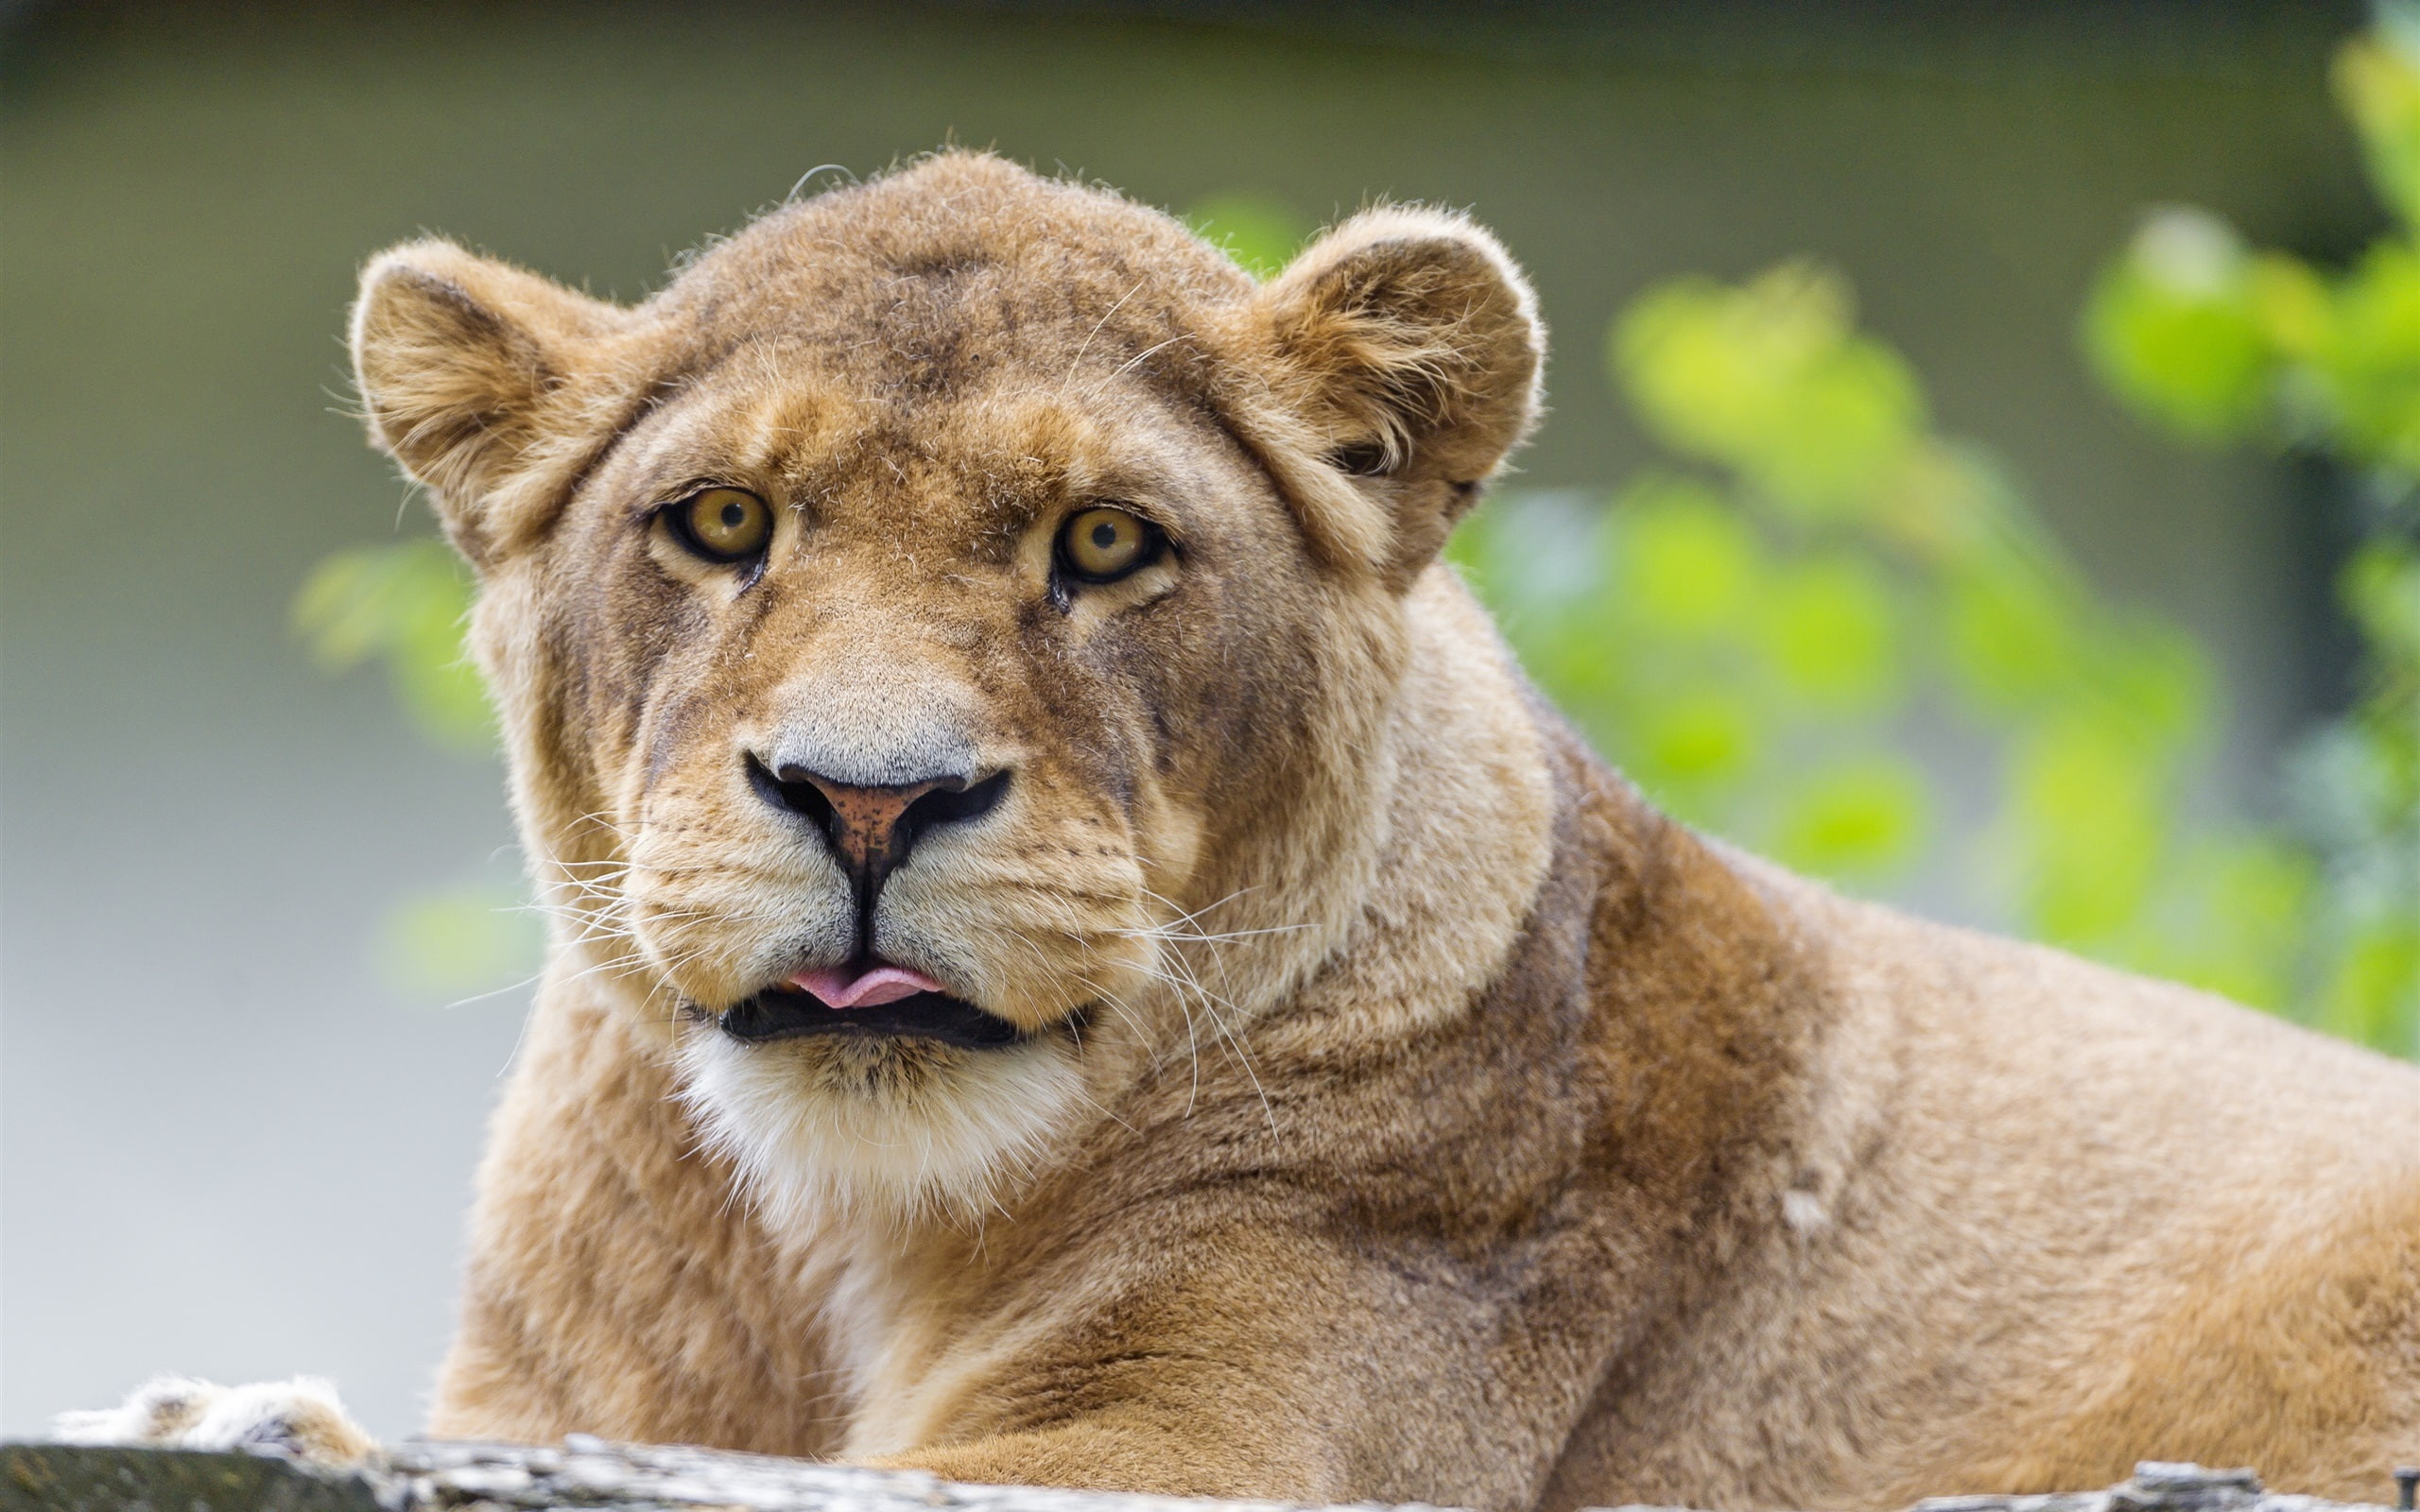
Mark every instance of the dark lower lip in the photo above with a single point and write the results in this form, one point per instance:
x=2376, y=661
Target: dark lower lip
x=778, y=1013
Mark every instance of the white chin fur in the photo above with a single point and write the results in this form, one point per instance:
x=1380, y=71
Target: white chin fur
x=819, y=1127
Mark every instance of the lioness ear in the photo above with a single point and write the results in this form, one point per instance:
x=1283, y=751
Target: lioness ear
x=455, y=356
x=1413, y=346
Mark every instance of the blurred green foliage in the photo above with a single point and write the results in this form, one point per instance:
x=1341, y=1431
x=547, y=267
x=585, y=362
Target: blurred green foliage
x=1259, y=232
x=460, y=942
x=1766, y=639
x=2223, y=345
x=406, y=603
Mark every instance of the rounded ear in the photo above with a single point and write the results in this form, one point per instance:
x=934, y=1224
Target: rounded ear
x=1409, y=345
x=456, y=357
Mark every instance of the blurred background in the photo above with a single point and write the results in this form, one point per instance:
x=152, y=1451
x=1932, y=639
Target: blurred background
x=1980, y=473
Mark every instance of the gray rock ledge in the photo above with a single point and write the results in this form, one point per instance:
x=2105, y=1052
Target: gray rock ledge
x=583, y=1474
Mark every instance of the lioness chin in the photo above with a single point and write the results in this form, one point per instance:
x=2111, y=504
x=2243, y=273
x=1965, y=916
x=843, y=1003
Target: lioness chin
x=1078, y=959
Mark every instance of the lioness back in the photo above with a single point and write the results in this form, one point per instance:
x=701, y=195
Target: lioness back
x=1078, y=958
x=2053, y=1219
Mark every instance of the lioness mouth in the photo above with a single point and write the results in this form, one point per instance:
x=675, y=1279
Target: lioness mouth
x=887, y=1002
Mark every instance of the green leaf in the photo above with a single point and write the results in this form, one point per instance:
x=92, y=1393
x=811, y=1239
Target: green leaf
x=2374, y=994
x=1688, y=563
x=2010, y=637
x=1831, y=627
x=1859, y=819
x=1259, y=231
x=2086, y=804
x=2377, y=83
x=1769, y=379
x=2234, y=920
x=2175, y=328
x=450, y=943
x=409, y=604
x=1695, y=739
x=2381, y=588
x=2364, y=379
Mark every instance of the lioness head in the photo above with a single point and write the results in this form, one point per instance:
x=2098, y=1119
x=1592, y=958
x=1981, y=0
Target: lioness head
x=945, y=600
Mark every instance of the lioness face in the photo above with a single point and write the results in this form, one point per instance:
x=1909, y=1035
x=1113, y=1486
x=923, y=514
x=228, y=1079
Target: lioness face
x=953, y=694
x=914, y=761
x=931, y=611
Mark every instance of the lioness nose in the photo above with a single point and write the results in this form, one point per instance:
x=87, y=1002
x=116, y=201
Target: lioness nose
x=871, y=829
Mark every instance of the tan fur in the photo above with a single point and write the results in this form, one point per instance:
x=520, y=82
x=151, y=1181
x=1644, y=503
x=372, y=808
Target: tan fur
x=1409, y=1111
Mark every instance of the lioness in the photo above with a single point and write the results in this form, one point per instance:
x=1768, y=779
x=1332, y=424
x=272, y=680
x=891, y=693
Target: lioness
x=1078, y=959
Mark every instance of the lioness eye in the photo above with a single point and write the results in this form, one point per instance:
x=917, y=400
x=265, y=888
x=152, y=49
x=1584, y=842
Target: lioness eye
x=1099, y=544
x=723, y=524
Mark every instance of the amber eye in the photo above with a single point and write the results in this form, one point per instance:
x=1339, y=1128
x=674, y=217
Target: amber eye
x=1100, y=544
x=723, y=524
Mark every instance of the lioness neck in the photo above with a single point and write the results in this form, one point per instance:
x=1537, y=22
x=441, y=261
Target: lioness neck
x=1460, y=834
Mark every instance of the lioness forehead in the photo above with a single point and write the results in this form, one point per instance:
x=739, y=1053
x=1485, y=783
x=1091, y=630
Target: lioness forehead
x=951, y=275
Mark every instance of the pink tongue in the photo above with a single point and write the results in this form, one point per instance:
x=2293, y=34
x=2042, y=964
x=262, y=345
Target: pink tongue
x=884, y=984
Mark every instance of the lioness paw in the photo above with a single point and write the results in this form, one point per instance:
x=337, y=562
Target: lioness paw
x=300, y=1419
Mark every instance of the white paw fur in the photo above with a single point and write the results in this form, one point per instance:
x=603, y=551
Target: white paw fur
x=300, y=1419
